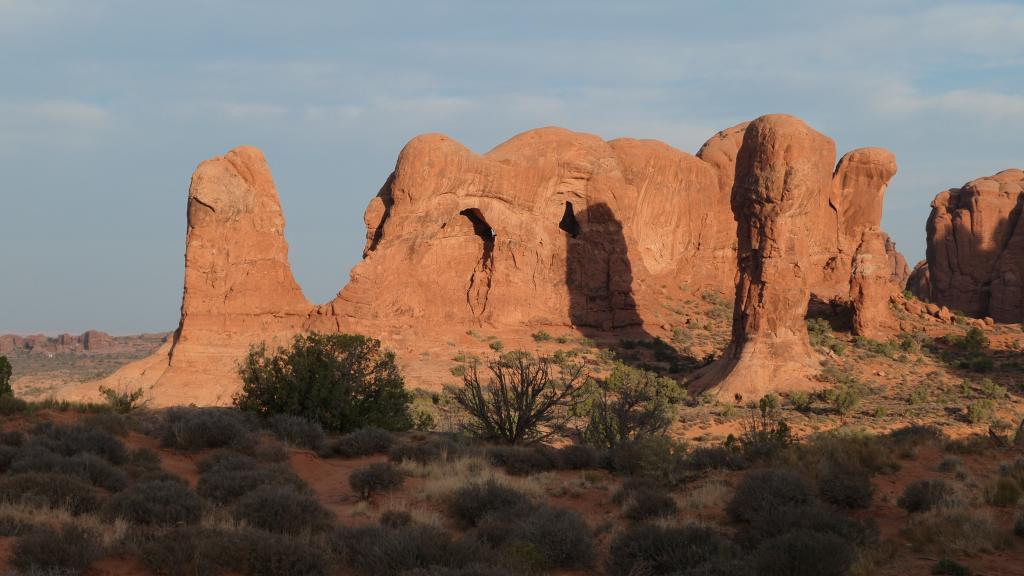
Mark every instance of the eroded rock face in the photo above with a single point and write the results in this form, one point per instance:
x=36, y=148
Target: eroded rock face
x=550, y=228
x=783, y=176
x=871, y=287
x=975, y=257
x=239, y=287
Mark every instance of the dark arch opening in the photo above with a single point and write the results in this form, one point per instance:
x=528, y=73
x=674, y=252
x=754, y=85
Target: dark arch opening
x=569, y=223
x=480, y=226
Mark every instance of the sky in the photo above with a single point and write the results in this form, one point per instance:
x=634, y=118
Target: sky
x=107, y=106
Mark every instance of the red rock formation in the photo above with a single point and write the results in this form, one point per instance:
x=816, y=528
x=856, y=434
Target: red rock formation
x=975, y=258
x=871, y=288
x=783, y=175
x=550, y=228
x=553, y=228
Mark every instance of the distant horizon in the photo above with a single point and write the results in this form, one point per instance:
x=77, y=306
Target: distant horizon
x=107, y=107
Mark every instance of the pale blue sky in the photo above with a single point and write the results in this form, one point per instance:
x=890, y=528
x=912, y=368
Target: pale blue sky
x=106, y=107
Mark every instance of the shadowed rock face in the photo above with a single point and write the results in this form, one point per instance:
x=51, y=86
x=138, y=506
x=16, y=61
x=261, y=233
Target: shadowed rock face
x=551, y=228
x=975, y=257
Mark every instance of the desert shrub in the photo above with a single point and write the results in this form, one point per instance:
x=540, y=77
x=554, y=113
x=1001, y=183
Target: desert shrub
x=7, y=456
x=341, y=381
x=470, y=503
x=522, y=460
x=819, y=331
x=954, y=531
x=647, y=504
x=850, y=448
x=951, y=568
x=974, y=444
x=283, y=510
x=541, y=336
x=377, y=550
x=70, y=549
x=362, y=442
x=202, y=428
x=801, y=401
x=629, y=403
x=227, y=476
x=655, y=457
x=13, y=438
x=538, y=538
x=950, y=464
x=1005, y=493
x=980, y=411
x=5, y=377
x=914, y=435
x=110, y=422
x=395, y=518
x=143, y=459
x=764, y=492
x=9, y=405
x=72, y=440
x=705, y=458
x=654, y=549
x=804, y=553
x=764, y=431
x=377, y=477
x=269, y=554
x=50, y=490
x=434, y=449
x=813, y=517
x=524, y=399
x=123, y=401
x=579, y=457
x=96, y=470
x=158, y=502
x=297, y=431
x=846, y=486
x=924, y=495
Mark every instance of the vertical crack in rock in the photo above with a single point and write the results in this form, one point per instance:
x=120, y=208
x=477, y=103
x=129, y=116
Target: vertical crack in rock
x=569, y=224
x=483, y=273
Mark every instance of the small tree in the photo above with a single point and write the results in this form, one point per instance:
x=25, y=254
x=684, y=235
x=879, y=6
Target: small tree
x=764, y=431
x=341, y=381
x=526, y=398
x=5, y=377
x=629, y=404
x=123, y=401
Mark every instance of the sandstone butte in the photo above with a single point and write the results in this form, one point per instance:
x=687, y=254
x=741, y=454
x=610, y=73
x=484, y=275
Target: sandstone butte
x=552, y=228
x=975, y=256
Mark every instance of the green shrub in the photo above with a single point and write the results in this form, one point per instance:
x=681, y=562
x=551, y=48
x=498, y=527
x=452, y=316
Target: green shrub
x=764, y=492
x=431, y=450
x=69, y=550
x=801, y=401
x=924, y=495
x=804, y=553
x=87, y=466
x=9, y=405
x=5, y=377
x=377, y=477
x=362, y=442
x=283, y=510
x=342, y=381
x=524, y=399
x=706, y=458
x=764, y=431
x=110, y=422
x=538, y=538
x=227, y=476
x=269, y=554
x=381, y=551
x=629, y=404
x=653, y=549
x=1005, y=493
x=160, y=502
x=470, y=503
x=203, y=428
x=846, y=484
x=980, y=411
x=72, y=440
x=297, y=431
x=579, y=457
x=819, y=331
x=951, y=568
x=812, y=516
x=50, y=490
x=655, y=457
x=648, y=504
x=122, y=401
x=541, y=336
x=522, y=460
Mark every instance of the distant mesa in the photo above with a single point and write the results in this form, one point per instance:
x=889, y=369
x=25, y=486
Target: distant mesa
x=552, y=228
x=975, y=256
x=92, y=341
